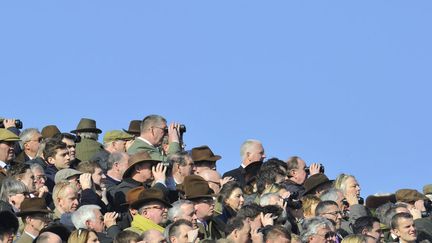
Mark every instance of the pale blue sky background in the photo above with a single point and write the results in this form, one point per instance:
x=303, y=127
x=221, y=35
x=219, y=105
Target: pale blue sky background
x=343, y=83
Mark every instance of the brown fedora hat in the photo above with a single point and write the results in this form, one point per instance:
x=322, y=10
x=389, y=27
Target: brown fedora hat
x=32, y=206
x=204, y=153
x=137, y=158
x=134, y=127
x=151, y=195
x=50, y=131
x=194, y=187
x=313, y=181
x=376, y=200
x=132, y=196
x=86, y=125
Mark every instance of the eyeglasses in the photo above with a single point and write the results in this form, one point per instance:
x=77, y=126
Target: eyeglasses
x=164, y=129
x=40, y=177
x=335, y=213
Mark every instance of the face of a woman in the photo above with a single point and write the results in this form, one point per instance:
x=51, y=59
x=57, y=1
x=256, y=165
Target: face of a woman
x=352, y=187
x=92, y=238
x=235, y=200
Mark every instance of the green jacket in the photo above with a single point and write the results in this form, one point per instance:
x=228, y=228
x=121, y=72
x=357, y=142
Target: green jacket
x=140, y=224
x=87, y=148
x=140, y=145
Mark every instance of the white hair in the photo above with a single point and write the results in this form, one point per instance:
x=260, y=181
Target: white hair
x=89, y=135
x=82, y=214
x=331, y=194
x=26, y=135
x=246, y=145
x=176, y=209
x=312, y=225
x=265, y=199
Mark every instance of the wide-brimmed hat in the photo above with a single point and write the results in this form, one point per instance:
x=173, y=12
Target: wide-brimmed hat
x=204, y=153
x=65, y=174
x=195, y=187
x=251, y=171
x=137, y=158
x=376, y=200
x=427, y=189
x=314, y=181
x=132, y=196
x=151, y=195
x=50, y=131
x=86, y=125
x=8, y=136
x=114, y=135
x=409, y=195
x=32, y=206
x=134, y=127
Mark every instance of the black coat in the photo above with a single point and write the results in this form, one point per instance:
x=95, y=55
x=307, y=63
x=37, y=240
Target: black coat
x=238, y=174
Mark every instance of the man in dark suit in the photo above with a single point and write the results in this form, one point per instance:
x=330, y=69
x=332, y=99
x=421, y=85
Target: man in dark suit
x=153, y=130
x=251, y=151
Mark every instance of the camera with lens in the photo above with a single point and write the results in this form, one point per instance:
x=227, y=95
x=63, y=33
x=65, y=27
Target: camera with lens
x=293, y=201
x=18, y=123
x=428, y=206
x=321, y=170
x=182, y=129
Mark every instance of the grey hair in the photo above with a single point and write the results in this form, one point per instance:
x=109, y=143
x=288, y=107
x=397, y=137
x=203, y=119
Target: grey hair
x=246, y=145
x=82, y=214
x=311, y=226
x=36, y=166
x=176, y=209
x=11, y=187
x=179, y=158
x=41, y=149
x=89, y=135
x=113, y=158
x=330, y=195
x=265, y=198
x=26, y=135
x=150, y=121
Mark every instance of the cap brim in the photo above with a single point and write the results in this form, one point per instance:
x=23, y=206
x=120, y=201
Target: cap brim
x=138, y=203
x=213, y=158
x=96, y=130
x=131, y=132
x=127, y=172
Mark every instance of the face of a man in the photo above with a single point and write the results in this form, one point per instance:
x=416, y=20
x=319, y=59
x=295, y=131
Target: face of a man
x=61, y=159
x=70, y=144
x=122, y=165
x=69, y=200
x=29, y=180
x=40, y=178
x=97, y=176
x=256, y=153
x=38, y=222
x=159, y=133
x=33, y=144
x=300, y=172
x=187, y=169
x=204, y=208
x=322, y=236
x=332, y=212
x=156, y=212
x=406, y=230
x=145, y=171
x=189, y=214
x=376, y=232
x=182, y=236
x=97, y=224
x=119, y=145
x=6, y=151
x=243, y=235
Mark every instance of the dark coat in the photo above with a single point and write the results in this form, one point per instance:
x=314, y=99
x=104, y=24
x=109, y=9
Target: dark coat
x=214, y=229
x=238, y=174
x=227, y=214
x=293, y=187
x=87, y=148
x=22, y=158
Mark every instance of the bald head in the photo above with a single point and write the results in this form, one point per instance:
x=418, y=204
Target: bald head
x=213, y=179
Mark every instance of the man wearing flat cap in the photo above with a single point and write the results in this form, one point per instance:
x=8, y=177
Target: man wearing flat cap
x=153, y=130
x=7, y=144
x=35, y=216
x=89, y=145
x=114, y=141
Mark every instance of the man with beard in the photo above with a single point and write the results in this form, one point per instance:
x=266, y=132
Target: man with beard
x=152, y=212
x=35, y=216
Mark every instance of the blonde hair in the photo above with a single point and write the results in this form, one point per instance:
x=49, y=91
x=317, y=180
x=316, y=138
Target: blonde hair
x=340, y=182
x=59, y=188
x=308, y=202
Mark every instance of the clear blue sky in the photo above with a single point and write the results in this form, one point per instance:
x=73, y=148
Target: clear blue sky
x=344, y=83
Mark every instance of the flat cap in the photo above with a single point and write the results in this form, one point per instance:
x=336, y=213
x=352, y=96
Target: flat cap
x=114, y=135
x=8, y=136
x=409, y=195
x=64, y=174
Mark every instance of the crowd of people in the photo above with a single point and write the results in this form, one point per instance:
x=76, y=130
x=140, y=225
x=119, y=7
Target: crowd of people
x=140, y=185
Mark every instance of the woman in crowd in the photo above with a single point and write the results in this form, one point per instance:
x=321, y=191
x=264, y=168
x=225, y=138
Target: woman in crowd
x=231, y=198
x=350, y=188
x=83, y=236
